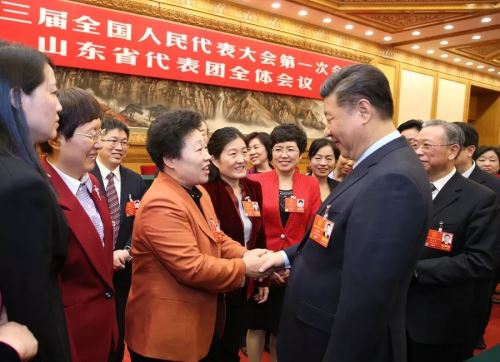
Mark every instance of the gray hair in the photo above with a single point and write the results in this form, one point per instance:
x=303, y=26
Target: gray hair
x=453, y=133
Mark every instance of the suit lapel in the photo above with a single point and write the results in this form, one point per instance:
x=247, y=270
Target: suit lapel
x=201, y=219
x=81, y=225
x=448, y=194
x=124, y=192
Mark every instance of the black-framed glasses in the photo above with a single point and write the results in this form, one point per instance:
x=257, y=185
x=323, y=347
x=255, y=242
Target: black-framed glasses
x=114, y=142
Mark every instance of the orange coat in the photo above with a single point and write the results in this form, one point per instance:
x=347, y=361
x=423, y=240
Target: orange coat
x=178, y=270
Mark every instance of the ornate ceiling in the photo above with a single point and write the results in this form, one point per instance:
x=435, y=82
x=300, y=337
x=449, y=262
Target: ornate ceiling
x=398, y=20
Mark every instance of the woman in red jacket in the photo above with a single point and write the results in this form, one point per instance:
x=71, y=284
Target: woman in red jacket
x=237, y=202
x=290, y=202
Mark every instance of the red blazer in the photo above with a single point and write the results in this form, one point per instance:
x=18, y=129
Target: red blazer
x=304, y=187
x=230, y=221
x=86, y=281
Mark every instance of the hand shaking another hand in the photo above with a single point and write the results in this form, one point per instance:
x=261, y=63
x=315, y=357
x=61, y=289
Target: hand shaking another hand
x=260, y=263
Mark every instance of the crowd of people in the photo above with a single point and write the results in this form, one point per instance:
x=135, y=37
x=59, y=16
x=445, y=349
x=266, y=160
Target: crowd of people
x=387, y=250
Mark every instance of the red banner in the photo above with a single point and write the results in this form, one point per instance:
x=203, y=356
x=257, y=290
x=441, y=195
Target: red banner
x=82, y=36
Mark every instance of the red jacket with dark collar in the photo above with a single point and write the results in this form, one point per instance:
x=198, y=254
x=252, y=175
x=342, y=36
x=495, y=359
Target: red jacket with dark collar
x=86, y=280
x=304, y=187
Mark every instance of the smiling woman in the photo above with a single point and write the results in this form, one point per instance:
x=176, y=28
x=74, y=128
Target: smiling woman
x=87, y=277
x=32, y=228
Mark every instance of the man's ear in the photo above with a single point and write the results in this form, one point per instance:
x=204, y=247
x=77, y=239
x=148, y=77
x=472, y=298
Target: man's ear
x=470, y=150
x=454, y=151
x=365, y=109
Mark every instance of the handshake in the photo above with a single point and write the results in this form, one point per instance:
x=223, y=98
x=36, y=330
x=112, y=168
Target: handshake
x=261, y=263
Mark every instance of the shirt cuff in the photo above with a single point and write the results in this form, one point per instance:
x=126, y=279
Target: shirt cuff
x=286, y=262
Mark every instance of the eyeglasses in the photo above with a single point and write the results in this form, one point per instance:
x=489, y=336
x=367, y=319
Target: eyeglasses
x=114, y=142
x=427, y=146
x=95, y=137
x=289, y=150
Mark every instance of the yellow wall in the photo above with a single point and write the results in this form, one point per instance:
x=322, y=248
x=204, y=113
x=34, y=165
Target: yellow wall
x=415, y=96
x=451, y=100
x=487, y=118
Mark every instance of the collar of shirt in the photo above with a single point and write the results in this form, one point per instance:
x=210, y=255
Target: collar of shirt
x=375, y=146
x=469, y=171
x=105, y=171
x=72, y=183
x=439, y=184
x=195, y=194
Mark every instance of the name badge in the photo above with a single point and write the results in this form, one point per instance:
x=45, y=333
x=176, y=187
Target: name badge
x=321, y=230
x=216, y=231
x=131, y=206
x=251, y=208
x=294, y=205
x=439, y=240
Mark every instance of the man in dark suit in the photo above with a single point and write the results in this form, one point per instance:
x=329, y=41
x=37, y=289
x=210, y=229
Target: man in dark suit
x=441, y=310
x=129, y=187
x=346, y=295
x=467, y=167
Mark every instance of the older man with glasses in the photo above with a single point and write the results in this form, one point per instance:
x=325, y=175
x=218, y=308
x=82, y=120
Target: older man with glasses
x=441, y=321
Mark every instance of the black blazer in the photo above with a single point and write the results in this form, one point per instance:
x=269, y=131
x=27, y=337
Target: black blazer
x=441, y=303
x=346, y=302
x=131, y=184
x=33, y=247
x=231, y=224
x=493, y=183
x=8, y=354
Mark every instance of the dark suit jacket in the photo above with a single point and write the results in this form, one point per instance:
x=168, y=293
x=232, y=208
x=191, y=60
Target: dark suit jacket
x=493, y=183
x=230, y=222
x=441, y=305
x=131, y=184
x=304, y=187
x=86, y=280
x=346, y=302
x=8, y=354
x=33, y=247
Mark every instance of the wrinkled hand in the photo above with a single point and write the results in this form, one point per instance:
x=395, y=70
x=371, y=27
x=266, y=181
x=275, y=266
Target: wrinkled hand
x=20, y=338
x=262, y=295
x=272, y=261
x=120, y=258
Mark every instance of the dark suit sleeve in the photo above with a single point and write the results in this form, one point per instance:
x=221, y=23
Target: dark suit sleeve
x=384, y=234
x=27, y=281
x=477, y=258
x=141, y=189
x=8, y=354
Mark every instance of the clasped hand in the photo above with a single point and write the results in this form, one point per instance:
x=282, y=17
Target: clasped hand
x=261, y=263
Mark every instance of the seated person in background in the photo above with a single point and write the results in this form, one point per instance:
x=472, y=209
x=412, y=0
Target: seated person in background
x=183, y=261
x=322, y=157
x=487, y=159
